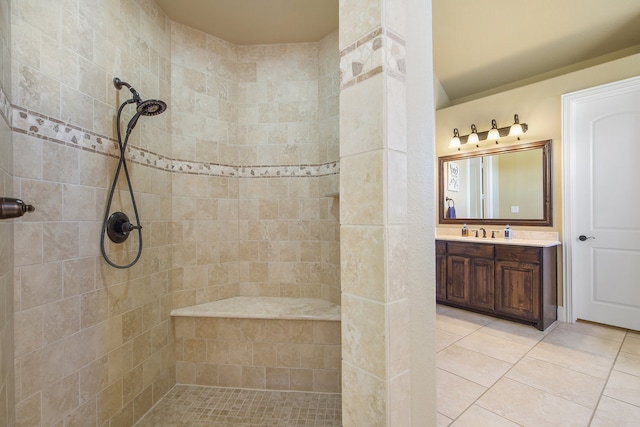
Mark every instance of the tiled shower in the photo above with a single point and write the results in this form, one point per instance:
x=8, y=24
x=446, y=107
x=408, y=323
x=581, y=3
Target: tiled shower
x=235, y=184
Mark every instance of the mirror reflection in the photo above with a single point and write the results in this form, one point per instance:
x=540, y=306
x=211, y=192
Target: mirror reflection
x=504, y=185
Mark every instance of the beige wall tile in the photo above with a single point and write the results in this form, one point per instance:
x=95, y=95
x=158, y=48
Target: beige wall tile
x=362, y=190
x=83, y=414
x=363, y=261
x=59, y=399
x=326, y=381
x=60, y=241
x=230, y=376
x=277, y=379
x=364, y=336
x=42, y=368
x=28, y=411
x=40, y=283
x=254, y=377
x=362, y=408
x=264, y=354
x=27, y=156
x=28, y=248
x=301, y=379
x=62, y=319
x=396, y=191
x=30, y=323
x=361, y=117
x=399, y=345
x=109, y=401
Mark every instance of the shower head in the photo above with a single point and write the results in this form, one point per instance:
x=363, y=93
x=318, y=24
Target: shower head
x=151, y=107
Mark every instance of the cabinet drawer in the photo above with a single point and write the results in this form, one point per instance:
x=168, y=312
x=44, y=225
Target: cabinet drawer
x=441, y=247
x=518, y=253
x=480, y=250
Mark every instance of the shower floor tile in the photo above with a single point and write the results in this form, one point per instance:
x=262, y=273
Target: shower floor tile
x=199, y=406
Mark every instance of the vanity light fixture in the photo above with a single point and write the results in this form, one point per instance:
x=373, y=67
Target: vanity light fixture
x=493, y=134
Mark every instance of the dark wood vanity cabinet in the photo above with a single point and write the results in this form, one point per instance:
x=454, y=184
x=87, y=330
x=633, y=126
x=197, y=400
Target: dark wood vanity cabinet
x=514, y=282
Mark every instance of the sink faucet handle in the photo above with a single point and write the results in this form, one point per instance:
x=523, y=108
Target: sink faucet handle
x=476, y=233
x=493, y=234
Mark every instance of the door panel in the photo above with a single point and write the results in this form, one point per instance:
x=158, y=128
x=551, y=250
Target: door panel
x=481, y=287
x=517, y=289
x=607, y=205
x=458, y=279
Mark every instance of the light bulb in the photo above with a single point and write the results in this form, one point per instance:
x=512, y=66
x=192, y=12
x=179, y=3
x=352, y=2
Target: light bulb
x=493, y=132
x=516, y=127
x=473, y=136
x=455, y=141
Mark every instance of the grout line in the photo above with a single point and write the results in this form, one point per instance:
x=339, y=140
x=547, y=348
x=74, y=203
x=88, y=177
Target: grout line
x=593, y=410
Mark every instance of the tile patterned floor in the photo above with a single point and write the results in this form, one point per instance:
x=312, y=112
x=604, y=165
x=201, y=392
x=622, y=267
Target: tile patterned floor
x=492, y=372
x=198, y=406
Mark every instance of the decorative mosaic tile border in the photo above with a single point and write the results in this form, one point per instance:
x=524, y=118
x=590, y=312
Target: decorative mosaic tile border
x=46, y=128
x=5, y=108
x=379, y=51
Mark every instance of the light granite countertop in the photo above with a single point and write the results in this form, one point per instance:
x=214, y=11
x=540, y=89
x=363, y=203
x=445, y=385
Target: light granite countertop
x=541, y=239
x=264, y=308
x=502, y=241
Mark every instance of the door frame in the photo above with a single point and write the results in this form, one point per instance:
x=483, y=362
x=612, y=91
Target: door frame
x=570, y=146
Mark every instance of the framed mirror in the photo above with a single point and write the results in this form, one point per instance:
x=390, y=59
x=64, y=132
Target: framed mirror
x=505, y=185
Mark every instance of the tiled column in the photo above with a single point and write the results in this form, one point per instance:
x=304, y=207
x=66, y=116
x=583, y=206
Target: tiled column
x=380, y=347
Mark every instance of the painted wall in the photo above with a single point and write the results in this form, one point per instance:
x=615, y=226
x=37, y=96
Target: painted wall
x=7, y=378
x=539, y=106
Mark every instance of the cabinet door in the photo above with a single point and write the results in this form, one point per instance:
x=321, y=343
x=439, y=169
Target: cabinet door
x=458, y=279
x=441, y=270
x=441, y=277
x=517, y=288
x=481, y=284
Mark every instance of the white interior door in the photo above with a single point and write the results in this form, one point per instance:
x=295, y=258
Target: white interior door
x=605, y=225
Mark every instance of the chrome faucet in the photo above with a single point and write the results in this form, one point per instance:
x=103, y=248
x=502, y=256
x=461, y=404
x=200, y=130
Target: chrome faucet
x=484, y=232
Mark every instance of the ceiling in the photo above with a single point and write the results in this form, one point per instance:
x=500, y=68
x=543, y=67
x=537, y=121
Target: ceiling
x=479, y=47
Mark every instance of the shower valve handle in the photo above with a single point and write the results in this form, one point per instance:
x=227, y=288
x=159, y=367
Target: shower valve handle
x=127, y=227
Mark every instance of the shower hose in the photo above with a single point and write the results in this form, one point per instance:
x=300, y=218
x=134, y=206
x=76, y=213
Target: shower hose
x=122, y=164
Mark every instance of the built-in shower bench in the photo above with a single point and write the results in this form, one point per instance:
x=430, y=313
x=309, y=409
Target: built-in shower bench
x=269, y=343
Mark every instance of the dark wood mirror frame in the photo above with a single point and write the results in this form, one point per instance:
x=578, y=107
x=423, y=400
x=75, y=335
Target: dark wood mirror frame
x=546, y=220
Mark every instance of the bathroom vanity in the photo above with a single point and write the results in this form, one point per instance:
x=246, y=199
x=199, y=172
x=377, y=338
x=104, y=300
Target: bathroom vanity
x=511, y=279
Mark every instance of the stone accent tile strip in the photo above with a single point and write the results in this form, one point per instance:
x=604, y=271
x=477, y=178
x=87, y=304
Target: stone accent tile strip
x=379, y=51
x=5, y=108
x=49, y=129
